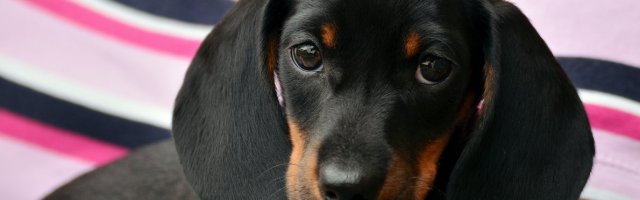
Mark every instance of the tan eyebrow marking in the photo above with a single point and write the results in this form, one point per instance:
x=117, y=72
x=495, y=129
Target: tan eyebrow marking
x=328, y=35
x=412, y=44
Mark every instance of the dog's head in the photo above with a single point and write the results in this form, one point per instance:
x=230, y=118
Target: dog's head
x=382, y=100
x=373, y=93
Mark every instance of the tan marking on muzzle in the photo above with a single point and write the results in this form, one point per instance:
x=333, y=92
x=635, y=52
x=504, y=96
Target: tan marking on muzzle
x=395, y=180
x=311, y=170
x=428, y=166
x=302, y=173
x=298, y=142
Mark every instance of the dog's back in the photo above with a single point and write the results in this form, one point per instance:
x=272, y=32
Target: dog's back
x=153, y=172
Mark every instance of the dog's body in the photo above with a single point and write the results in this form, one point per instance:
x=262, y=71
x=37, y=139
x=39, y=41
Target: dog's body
x=153, y=172
x=380, y=102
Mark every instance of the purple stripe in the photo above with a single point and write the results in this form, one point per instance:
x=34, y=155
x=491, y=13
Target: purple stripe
x=194, y=11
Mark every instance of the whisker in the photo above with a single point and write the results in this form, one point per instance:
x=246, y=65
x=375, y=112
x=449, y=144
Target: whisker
x=276, y=192
x=271, y=168
x=280, y=178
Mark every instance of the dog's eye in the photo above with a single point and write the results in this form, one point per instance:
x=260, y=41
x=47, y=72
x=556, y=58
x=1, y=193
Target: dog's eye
x=307, y=57
x=433, y=70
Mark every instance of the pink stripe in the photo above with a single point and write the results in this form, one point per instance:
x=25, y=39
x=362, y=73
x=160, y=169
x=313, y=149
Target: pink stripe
x=84, y=57
x=611, y=178
x=614, y=121
x=617, y=168
x=29, y=172
x=130, y=34
x=61, y=141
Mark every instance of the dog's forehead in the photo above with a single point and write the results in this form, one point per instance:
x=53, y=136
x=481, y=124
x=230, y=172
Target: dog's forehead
x=375, y=13
x=375, y=20
x=382, y=32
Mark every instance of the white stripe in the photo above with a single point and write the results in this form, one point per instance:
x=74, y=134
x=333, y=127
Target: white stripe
x=77, y=93
x=147, y=21
x=597, y=194
x=30, y=172
x=609, y=100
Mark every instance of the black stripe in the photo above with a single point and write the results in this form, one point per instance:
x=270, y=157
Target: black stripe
x=195, y=11
x=604, y=76
x=75, y=118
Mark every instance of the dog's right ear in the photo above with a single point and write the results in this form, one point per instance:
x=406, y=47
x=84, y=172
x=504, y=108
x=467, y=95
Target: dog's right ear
x=228, y=127
x=533, y=139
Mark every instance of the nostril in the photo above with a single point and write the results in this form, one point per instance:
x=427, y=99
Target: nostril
x=359, y=197
x=330, y=195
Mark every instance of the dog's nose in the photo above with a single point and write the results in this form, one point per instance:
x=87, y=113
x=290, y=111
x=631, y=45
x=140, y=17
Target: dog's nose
x=338, y=182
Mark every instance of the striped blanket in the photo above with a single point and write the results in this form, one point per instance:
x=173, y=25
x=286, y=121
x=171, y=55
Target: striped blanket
x=84, y=82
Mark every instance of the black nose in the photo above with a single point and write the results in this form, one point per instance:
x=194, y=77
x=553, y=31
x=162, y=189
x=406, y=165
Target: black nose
x=339, y=182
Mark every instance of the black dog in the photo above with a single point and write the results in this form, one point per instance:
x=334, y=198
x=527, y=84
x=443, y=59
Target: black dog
x=380, y=102
x=375, y=92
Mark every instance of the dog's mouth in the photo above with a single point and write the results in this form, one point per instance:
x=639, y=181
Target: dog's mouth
x=373, y=174
x=403, y=175
x=309, y=177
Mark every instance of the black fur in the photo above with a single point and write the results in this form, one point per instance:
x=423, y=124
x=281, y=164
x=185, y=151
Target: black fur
x=227, y=124
x=534, y=141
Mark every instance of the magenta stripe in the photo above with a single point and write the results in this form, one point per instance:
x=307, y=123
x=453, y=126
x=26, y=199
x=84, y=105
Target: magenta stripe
x=614, y=121
x=130, y=34
x=57, y=140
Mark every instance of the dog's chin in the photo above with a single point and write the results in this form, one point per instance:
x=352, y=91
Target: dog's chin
x=303, y=192
x=298, y=192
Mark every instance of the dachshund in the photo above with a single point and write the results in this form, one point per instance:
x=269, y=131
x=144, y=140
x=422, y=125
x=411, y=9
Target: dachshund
x=380, y=99
x=411, y=99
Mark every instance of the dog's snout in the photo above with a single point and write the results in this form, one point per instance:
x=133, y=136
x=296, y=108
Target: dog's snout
x=341, y=182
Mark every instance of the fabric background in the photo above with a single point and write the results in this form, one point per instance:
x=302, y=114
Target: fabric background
x=84, y=82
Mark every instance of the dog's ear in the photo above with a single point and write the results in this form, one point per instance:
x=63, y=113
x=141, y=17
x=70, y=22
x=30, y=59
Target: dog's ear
x=228, y=126
x=532, y=138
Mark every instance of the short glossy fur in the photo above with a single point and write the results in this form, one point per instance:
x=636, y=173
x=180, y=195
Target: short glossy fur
x=362, y=127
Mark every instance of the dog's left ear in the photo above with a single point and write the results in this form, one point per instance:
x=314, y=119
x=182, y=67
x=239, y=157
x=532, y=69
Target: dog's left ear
x=228, y=127
x=532, y=139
